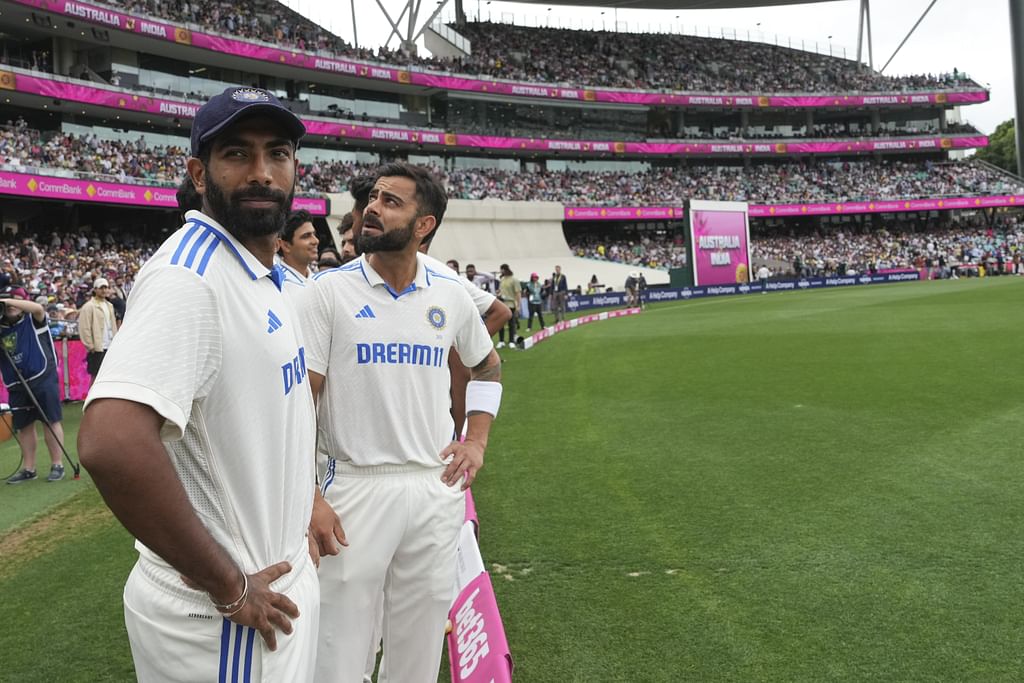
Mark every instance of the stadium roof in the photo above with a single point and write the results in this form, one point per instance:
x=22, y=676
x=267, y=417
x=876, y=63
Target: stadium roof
x=674, y=4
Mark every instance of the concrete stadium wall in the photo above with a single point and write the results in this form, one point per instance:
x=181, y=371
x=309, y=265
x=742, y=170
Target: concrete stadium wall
x=526, y=235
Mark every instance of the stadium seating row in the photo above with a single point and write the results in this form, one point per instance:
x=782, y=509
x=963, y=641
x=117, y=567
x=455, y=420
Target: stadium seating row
x=574, y=58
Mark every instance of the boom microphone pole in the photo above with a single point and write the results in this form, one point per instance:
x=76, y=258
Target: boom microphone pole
x=60, y=442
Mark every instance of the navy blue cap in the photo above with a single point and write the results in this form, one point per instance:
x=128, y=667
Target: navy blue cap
x=224, y=109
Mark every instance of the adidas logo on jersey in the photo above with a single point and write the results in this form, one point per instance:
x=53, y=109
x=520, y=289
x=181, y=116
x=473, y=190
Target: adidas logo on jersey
x=366, y=312
x=273, y=322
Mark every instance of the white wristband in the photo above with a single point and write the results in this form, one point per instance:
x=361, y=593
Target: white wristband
x=483, y=397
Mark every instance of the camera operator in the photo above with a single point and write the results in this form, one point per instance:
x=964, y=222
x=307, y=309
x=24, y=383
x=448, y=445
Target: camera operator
x=25, y=335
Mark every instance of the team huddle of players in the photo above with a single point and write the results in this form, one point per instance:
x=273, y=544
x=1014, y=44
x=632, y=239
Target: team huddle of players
x=248, y=421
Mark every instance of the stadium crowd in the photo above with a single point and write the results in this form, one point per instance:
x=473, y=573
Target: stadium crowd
x=58, y=269
x=649, y=251
x=668, y=61
x=768, y=183
x=941, y=245
x=24, y=149
x=268, y=21
x=572, y=57
x=531, y=122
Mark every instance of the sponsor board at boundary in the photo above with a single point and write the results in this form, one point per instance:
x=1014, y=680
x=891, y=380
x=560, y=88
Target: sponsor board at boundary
x=580, y=303
x=563, y=325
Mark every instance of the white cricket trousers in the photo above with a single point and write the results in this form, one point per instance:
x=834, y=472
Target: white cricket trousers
x=177, y=636
x=402, y=525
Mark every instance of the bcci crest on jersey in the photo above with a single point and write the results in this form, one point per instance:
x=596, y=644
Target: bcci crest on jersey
x=437, y=318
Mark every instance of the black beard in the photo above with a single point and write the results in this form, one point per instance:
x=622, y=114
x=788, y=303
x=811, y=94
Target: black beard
x=395, y=240
x=245, y=222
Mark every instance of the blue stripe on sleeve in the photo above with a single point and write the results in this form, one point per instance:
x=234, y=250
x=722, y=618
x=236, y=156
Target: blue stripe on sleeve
x=206, y=257
x=194, y=251
x=184, y=242
x=231, y=246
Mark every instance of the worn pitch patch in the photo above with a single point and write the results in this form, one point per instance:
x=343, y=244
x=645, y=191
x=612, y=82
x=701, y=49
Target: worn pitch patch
x=41, y=536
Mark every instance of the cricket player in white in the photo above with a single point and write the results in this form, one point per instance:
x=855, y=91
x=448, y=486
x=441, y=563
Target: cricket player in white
x=378, y=334
x=200, y=429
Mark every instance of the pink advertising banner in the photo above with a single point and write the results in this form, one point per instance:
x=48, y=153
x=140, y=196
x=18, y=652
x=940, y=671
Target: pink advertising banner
x=184, y=36
x=72, y=376
x=622, y=213
x=75, y=92
x=477, y=648
x=886, y=206
x=72, y=189
x=78, y=379
x=633, y=213
x=721, y=243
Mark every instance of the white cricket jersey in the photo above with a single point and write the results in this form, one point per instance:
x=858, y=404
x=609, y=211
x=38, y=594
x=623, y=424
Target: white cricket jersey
x=212, y=345
x=385, y=358
x=294, y=284
x=481, y=299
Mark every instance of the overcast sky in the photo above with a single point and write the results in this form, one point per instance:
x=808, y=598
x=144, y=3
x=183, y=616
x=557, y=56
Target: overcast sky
x=970, y=35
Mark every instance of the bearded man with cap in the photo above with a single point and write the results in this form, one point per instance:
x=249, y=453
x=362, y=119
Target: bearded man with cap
x=97, y=325
x=199, y=431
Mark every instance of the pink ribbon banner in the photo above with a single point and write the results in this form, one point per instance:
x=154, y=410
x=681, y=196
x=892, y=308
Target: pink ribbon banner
x=90, y=94
x=116, y=99
x=37, y=186
x=633, y=213
x=184, y=36
x=471, y=510
x=477, y=648
x=563, y=325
